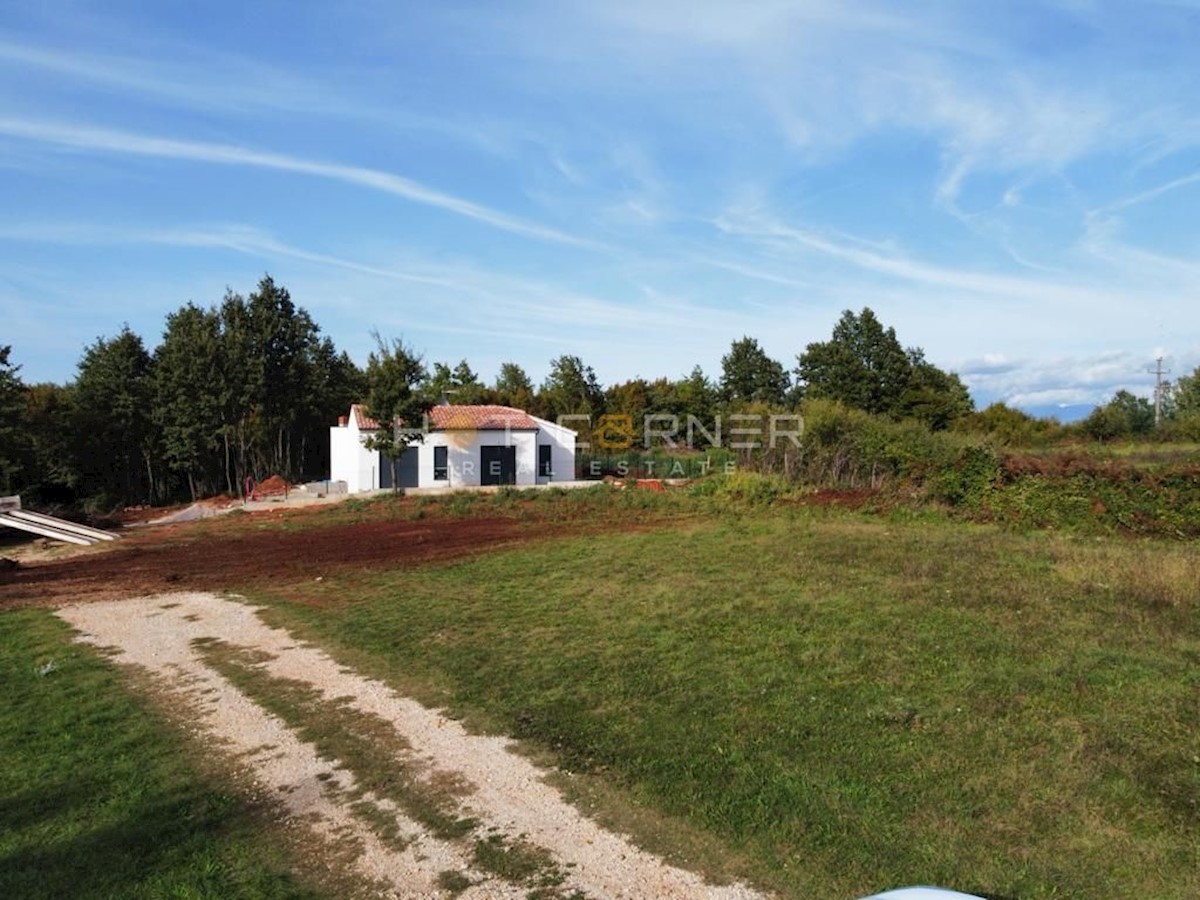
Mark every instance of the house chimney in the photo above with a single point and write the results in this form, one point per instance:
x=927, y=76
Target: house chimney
x=342, y=420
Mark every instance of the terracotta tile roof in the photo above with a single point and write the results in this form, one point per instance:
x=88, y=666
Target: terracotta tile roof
x=480, y=418
x=361, y=419
x=460, y=418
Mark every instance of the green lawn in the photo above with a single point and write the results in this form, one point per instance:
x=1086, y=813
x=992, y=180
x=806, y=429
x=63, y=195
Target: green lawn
x=101, y=797
x=824, y=703
x=836, y=704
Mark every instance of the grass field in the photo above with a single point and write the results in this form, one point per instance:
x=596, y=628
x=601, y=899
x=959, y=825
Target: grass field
x=102, y=797
x=825, y=703
x=839, y=704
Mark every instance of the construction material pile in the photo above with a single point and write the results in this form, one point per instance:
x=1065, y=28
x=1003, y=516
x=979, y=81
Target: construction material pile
x=272, y=487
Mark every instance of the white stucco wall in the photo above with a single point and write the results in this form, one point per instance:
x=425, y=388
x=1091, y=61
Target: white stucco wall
x=350, y=461
x=464, y=456
x=354, y=464
x=562, y=451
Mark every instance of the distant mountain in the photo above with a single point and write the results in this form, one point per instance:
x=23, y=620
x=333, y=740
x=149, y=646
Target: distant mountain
x=1064, y=414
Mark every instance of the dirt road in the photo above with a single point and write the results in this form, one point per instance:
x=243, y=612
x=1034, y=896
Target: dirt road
x=503, y=795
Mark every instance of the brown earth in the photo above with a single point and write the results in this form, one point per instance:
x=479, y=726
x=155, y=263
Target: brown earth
x=271, y=486
x=178, y=559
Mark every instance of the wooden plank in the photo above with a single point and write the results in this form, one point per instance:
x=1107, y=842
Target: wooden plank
x=7, y=504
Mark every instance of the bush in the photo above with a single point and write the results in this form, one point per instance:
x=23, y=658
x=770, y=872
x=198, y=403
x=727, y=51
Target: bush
x=749, y=488
x=1077, y=491
x=969, y=480
x=653, y=463
x=843, y=447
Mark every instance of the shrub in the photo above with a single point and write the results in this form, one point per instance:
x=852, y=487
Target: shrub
x=969, y=479
x=844, y=447
x=749, y=488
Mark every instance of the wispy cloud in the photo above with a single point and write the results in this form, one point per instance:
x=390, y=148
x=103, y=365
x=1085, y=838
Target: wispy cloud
x=231, y=84
x=122, y=142
x=1145, y=196
x=905, y=268
x=832, y=73
x=730, y=168
x=507, y=295
x=183, y=77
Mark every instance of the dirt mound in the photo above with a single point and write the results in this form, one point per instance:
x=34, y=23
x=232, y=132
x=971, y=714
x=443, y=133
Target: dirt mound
x=272, y=487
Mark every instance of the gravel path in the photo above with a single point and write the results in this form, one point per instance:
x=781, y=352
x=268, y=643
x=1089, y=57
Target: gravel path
x=503, y=790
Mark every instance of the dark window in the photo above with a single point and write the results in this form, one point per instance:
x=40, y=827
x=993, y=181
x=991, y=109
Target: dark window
x=441, y=468
x=544, y=460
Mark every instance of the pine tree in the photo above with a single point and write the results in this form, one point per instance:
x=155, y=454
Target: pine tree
x=190, y=396
x=748, y=375
x=116, y=442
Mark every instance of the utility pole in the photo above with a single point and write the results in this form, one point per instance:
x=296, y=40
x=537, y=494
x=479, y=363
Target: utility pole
x=1160, y=388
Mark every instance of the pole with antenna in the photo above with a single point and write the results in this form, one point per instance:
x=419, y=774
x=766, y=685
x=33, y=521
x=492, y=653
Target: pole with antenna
x=1160, y=388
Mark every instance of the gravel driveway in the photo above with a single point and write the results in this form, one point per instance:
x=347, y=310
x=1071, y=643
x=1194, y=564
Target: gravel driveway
x=504, y=792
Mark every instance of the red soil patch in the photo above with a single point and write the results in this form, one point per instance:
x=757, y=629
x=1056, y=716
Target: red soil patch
x=271, y=487
x=651, y=484
x=169, y=559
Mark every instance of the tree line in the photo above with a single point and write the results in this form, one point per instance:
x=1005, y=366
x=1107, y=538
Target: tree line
x=248, y=387
x=243, y=388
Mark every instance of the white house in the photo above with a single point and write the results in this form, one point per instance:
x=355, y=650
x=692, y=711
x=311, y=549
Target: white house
x=463, y=446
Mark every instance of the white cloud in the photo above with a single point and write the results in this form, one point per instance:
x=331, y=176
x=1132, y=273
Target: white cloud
x=104, y=140
x=214, y=82
x=1066, y=380
x=996, y=286
x=1144, y=196
x=929, y=160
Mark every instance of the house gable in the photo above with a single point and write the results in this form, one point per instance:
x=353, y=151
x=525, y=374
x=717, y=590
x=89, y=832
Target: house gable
x=460, y=447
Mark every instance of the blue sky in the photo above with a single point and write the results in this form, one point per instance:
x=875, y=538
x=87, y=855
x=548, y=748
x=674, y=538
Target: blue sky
x=1013, y=186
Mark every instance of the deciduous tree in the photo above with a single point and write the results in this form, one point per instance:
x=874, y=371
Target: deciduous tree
x=862, y=365
x=284, y=383
x=748, y=375
x=513, y=387
x=571, y=388
x=457, y=385
x=932, y=396
x=52, y=472
x=394, y=399
x=1125, y=415
x=13, y=440
x=1185, y=396
x=697, y=396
